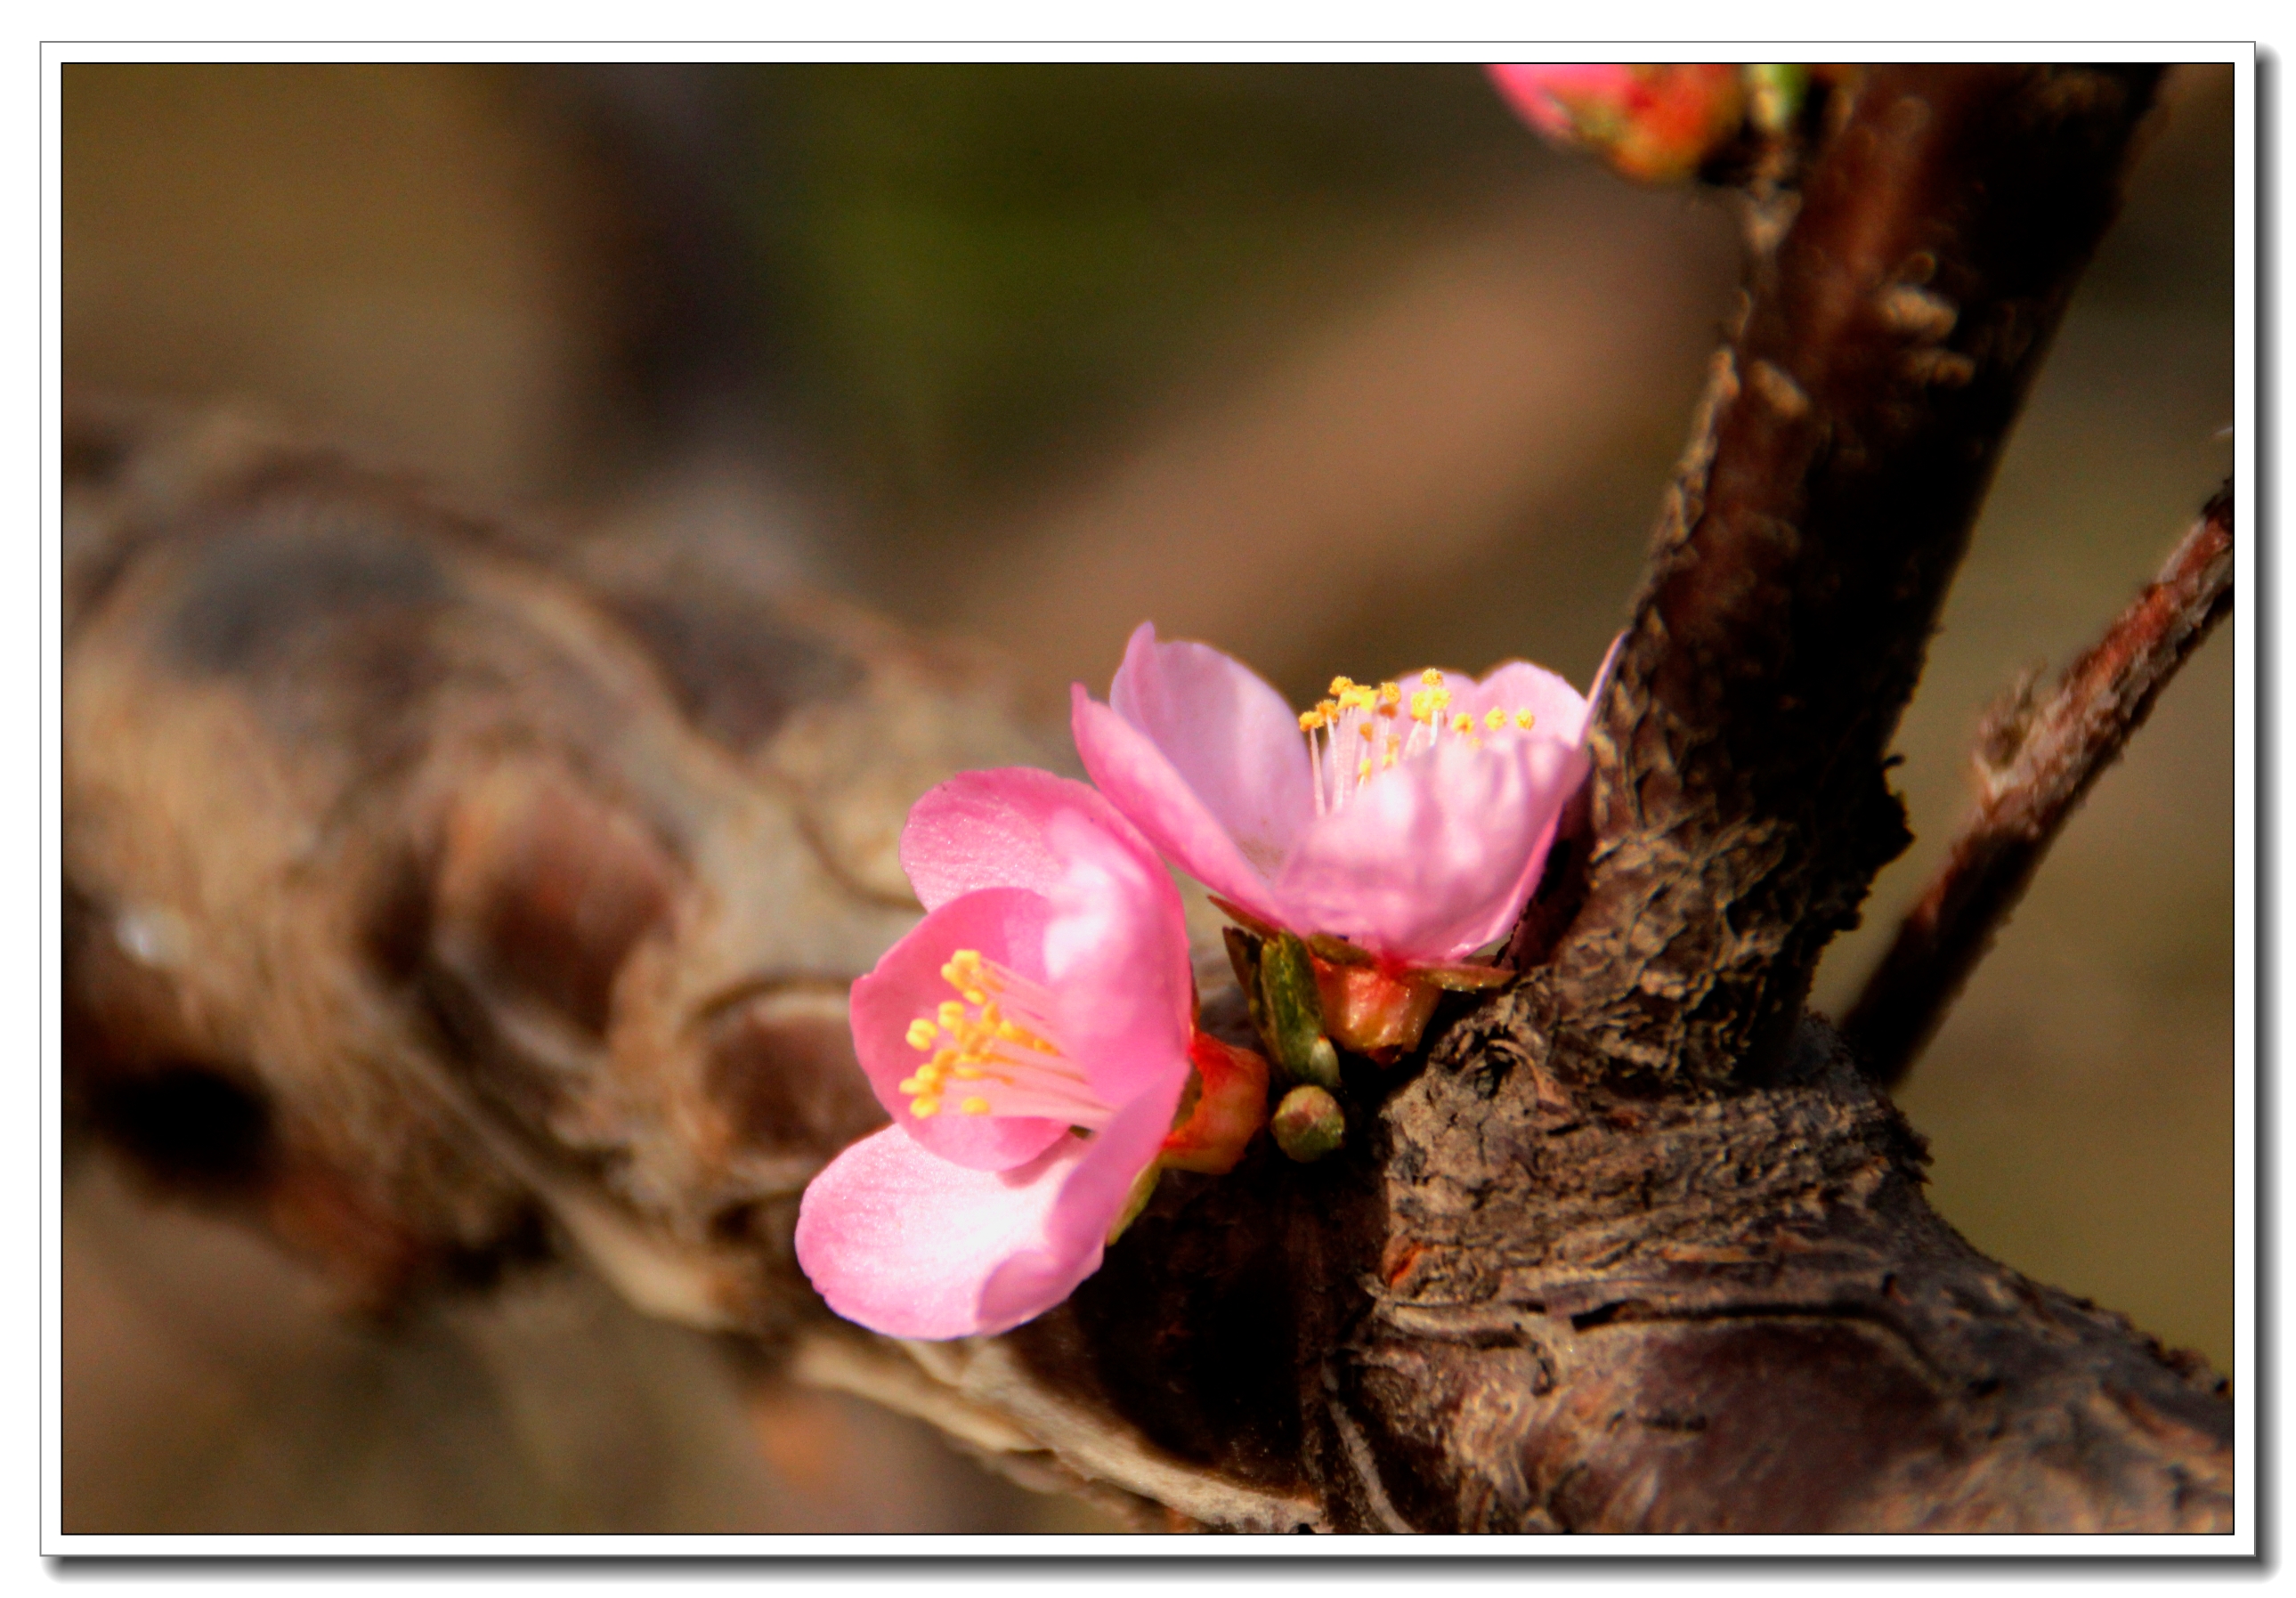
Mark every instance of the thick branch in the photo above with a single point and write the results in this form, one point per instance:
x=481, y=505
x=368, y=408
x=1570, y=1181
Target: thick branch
x=2035, y=766
x=1739, y=807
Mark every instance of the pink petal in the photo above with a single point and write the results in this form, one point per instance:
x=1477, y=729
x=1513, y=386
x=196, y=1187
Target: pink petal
x=986, y=829
x=1434, y=858
x=1093, y=1194
x=1557, y=771
x=1558, y=711
x=1231, y=737
x=1004, y=924
x=911, y=1245
x=1137, y=779
x=906, y=1243
x=1115, y=959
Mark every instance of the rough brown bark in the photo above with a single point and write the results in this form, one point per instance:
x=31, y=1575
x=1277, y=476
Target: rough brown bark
x=444, y=895
x=1740, y=807
x=2035, y=764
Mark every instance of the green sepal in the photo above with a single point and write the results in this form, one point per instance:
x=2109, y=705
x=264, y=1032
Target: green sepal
x=1244, y=956
x=1463, y=978
x=1339, y=951
x=1143, y=1188
x=1244, y=918
x=1295, y=1013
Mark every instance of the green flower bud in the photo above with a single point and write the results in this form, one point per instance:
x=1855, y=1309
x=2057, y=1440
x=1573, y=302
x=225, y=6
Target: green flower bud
x=1294, y=1012
x=1308, y=1124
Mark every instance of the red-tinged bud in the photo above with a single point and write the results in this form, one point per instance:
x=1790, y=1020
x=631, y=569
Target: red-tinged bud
x=1372, y=1011
x=1657, y=122
x=1230, y=1107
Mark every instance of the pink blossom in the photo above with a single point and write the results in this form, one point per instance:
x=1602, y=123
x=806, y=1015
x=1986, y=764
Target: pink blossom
x=1409, y=817
x=1653, y=120
x=1031, y=1040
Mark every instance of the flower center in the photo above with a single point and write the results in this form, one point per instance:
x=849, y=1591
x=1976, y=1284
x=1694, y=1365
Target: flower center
x=992, y=1047
x=1361, y=730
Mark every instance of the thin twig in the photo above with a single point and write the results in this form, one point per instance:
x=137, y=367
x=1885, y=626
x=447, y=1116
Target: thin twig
x=2035, y=765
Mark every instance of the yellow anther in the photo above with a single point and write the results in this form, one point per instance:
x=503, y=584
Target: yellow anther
x=914, y=1085
x=1391, y=693
x=1368, y=731
x=1494, y=720
x=921, y=1033
x=1463, y=723
x=1523, y=719
x=1340, y=686
x=923, y=1109
x=975, y=1106
x=967, y=1073
x=1362, y=770
x=1432, y=677
x=951, y=1014
x=1309, y=720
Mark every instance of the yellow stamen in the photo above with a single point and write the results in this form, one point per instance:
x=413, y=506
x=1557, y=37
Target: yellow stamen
x=1495, y=720
x=1432, y=677
x=1340, y=686
x=921, y=1033
x=1368, y=731
x=1362, y=770
x=924, y=1108
x=1523, y=719
x=975, y=1107
x=1310, y=720
x=1463, y=723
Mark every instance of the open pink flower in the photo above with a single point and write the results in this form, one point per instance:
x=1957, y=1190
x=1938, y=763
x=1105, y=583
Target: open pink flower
x=1411, y=818
x=1031, y=1040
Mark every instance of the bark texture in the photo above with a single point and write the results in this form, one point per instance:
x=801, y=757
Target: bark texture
x=444, y=895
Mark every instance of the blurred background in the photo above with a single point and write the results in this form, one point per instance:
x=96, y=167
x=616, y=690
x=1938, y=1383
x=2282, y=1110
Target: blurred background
x=1336, y=366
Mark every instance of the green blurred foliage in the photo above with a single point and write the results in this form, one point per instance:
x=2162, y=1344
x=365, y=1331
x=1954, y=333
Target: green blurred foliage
x=977, y=267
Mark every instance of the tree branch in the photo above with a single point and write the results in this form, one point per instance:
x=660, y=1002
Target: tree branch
x=2035, y=766
x=1739, y=806
x=488, y=894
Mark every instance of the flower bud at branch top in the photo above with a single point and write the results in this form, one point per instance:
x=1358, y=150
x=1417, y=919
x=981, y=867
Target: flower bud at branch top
x=1654, y=121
